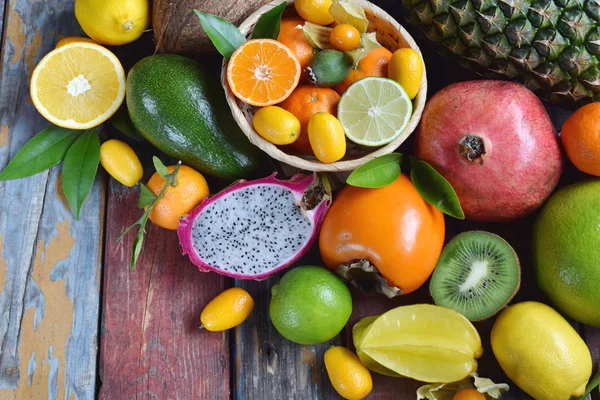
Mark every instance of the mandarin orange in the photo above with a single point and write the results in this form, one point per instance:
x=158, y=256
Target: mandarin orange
x=580, y=136
x=263, y=72
x=178, y=200
x=375, y=63
x=304, y=102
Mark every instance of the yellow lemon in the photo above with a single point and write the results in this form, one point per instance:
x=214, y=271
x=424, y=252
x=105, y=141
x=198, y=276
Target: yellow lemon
x=73, y=39
x=227, y=310
x=78, y=85
x=276, y=125
x=121, y=162
x=348, y=376
x=406, y=68
x=326, y=136
x=315, y=11
x=113, y=22
x=541, y=352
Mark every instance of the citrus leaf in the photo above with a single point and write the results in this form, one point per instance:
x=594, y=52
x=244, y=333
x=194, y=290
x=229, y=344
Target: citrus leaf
x=79, y=169
x=225, y=36
x=43, y=151
x=377, y=173
x=435, y=189
x=318, y=36
x=351, y=14
x=146, y=196
x=593, y=383
x=122, y=122
x=268, y=25
x=160, y=167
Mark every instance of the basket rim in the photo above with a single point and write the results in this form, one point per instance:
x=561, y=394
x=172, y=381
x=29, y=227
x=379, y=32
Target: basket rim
x=315, y=165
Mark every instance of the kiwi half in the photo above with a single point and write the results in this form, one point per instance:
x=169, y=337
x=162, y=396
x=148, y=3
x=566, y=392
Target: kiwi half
x=477, y=274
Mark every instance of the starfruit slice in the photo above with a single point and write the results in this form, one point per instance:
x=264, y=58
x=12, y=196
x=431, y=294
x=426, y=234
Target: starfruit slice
x=423, y=342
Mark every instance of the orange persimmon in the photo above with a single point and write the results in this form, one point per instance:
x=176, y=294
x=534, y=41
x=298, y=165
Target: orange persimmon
x=392, y=229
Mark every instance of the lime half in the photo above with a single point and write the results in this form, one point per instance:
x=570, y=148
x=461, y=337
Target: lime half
x=374, y=111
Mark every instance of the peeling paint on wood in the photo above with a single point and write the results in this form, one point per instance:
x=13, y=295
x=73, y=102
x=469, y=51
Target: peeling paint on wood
x=151, y=344
x=3, y=135
x=49, y=298
x=46, y=329
x=15, y=33
x=3, y=266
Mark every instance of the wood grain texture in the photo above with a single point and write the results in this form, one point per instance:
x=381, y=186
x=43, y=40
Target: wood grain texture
x=268, y=366
x=151, y=344
x=50, y=263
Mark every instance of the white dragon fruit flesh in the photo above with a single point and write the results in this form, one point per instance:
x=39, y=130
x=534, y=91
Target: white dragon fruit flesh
x=253, y=229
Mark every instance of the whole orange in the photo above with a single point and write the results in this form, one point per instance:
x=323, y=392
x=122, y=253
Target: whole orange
x=304, y=102
x=178, y=200
x=580, y=136
x=375, y=63
x=294, y=38
x=391, y=228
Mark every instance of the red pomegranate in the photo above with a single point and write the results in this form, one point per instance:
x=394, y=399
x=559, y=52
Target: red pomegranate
x=495, y=143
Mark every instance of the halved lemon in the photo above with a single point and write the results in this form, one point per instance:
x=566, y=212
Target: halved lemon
x=78, y=86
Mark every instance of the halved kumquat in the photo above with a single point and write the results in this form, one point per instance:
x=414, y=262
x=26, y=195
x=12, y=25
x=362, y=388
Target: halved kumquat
x=263, y=72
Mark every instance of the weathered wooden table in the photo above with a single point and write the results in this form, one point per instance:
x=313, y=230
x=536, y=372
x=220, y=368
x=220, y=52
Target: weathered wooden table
x=75, y=323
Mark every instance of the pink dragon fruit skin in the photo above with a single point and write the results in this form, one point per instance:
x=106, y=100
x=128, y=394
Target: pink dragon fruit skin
x=225, y=232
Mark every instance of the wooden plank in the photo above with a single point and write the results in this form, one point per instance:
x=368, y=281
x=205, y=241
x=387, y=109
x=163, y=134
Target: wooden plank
x=50, y=263
x=2, y=7
x=151, y=344
x=268, y=366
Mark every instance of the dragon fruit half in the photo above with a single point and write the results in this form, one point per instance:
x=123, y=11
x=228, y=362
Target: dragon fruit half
x=253, y=229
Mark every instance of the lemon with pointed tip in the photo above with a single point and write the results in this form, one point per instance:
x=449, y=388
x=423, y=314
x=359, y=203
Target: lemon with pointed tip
x=113, y=22
x=541, y=352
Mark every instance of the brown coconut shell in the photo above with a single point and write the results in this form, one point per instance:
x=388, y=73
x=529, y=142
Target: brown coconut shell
x=178, y=30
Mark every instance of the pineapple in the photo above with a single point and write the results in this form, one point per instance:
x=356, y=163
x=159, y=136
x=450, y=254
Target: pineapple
x=553, y=46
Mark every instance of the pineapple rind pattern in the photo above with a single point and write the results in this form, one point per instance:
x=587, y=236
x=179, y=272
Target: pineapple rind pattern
x=553, y=46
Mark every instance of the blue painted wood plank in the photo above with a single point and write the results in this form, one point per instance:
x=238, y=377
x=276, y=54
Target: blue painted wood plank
x=49, y=263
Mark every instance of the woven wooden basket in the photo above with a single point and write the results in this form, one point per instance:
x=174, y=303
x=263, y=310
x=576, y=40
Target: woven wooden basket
x=390, y=35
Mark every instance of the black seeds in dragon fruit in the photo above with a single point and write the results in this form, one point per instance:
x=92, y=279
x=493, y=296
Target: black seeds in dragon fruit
x=253, y=229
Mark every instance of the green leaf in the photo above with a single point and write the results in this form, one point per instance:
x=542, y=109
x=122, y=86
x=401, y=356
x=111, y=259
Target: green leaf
x=122, y=122
x=171, y=180
x=377, y=173
x=146, y=196
x=435, y=189
x=160, y=167
x=43, y=151
x=79, y=169
x=224, y=35
x=268, y=25
x=591, y=385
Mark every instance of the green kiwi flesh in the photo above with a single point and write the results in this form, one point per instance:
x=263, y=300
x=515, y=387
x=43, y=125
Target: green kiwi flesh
x=477, y=274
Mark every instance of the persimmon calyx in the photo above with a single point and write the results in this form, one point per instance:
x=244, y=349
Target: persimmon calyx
x=365, y=276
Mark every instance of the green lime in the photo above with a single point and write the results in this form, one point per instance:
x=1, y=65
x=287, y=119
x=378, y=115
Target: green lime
x=310, y=305
x=566, y=239
x=374, y=111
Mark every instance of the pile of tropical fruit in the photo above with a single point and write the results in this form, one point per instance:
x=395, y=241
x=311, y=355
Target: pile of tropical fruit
x=485, y=150
x=305, y=78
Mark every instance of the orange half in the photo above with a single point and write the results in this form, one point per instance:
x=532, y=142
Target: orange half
x=263, y=72
x=78, y=85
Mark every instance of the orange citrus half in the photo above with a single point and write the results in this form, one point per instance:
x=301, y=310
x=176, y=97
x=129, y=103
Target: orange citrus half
x=78, y=85
x=263, y=72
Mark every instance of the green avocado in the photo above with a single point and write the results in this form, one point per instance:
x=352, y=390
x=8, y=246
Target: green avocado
x=181, y=110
